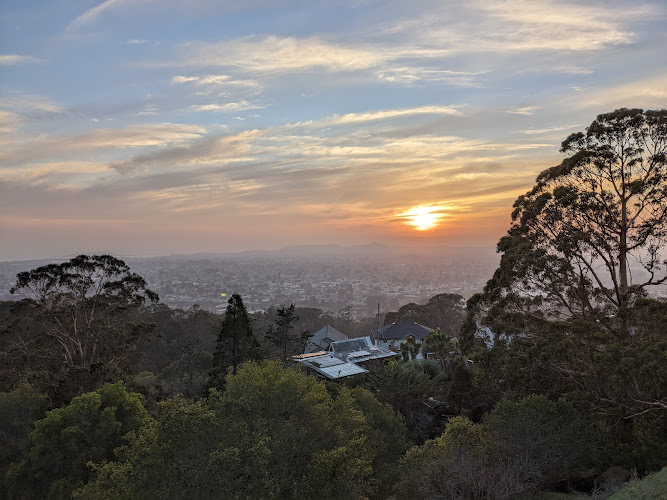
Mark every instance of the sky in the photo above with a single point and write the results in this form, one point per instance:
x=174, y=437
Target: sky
x=146, y=127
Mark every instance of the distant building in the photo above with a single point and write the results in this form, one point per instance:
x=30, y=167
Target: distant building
x=392, y=336
x=344, y=358
x=323, y=338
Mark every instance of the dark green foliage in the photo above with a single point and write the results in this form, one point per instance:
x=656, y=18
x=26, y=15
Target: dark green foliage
x=18, y=410
x=567, y=254
x=273, y=433
x=236, y=342
x=521, y=446
x=445, y=311
x=439, y=344
x=410, y=389
x=283, y=335
x=460, y=390
x=90, y=428
x=553, y=435
x=179, y=356
x=78, y=305
x=567, y=312
x=75, y=326
x=177, y=333
x=460, y=464
x=622, y=381
x=171, y=457
x=409, y=349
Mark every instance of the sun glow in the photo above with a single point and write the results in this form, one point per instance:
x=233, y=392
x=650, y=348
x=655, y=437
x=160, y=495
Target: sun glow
x=423, y=218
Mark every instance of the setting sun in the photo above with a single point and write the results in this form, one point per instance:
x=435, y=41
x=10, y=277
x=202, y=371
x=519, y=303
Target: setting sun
x=423, y=218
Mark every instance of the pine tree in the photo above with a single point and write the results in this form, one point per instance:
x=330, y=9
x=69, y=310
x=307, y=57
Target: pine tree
x=236, y=342
x=283, y=336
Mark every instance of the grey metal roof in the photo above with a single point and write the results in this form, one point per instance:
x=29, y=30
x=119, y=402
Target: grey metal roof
x=323, y=337
x=357, y=350
x=329, y=366
x=350, y=345
x=401, y=330
x=344, y=370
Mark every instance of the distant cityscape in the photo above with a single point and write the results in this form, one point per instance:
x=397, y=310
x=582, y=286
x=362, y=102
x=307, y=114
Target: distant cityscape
x=343, y=280
x=348, y=281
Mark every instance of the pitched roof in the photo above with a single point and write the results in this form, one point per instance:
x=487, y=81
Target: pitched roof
x=401, y=330
x=323, y=337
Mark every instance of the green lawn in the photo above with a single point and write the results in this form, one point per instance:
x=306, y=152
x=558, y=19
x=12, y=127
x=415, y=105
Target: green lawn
x=649, y=488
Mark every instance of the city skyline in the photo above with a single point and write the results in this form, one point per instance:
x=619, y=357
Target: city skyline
x=151, y=128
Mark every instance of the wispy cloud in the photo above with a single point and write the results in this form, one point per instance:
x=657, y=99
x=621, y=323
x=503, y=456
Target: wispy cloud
x=392, y=113
x=227, y=107
x=525, y=110
x=9, y=122
x=51, y=147
x=274, y=54
x=184, y=79
x=91, y=15
x=28, y=104
x=214, y=81
x=557, y=128
x=647, y=92
x=552, y=25
x=11, y=59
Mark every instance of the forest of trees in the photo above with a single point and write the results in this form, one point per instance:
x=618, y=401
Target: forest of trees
x=557, y=384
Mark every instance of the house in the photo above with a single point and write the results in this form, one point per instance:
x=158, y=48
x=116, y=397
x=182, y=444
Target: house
x=327, y=366
x=344, y=358
x=392, y=336
x=360, y=351
x=323, y=338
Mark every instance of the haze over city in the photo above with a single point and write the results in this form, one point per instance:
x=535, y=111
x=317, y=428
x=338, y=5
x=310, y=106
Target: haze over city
x=150, y=128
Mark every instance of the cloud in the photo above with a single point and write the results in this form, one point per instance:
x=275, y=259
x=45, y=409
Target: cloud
x=227, y=107
x=556, y=128
x=11, y=59
x=17, y=109
x=135, y=41
x=60, y=175
x=411, y=74
x=429, y=48
x=9, y=122
x=274, y=54
x=91, y=15
x=100, y=140
x=214, y=81
x=537, y=25
x=647, y=92
x=547, y=27
x=184, y=79
x=351, y=118
x=525, y=110
x=561, y=69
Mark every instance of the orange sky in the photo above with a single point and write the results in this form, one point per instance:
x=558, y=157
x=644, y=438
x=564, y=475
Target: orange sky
x=218, y=126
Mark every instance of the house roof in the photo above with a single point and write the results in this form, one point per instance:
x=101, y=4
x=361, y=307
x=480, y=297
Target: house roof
x=401, y=330
x=323, y=337
x=329, y=365
x=342, y=358
x=357, y=350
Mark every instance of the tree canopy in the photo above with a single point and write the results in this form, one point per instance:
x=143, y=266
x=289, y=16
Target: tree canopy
x=89, y=429
x=236, y=341
x=273, y=433
x=574, y=236
x=283, y=336
x=569, y=306
x=83, y=307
